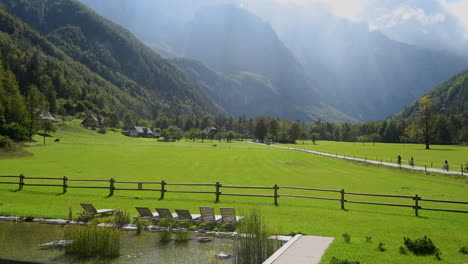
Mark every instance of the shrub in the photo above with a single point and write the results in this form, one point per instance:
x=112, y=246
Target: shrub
x=381, y=247
x=438, y=254
x=368, y=239
x=343, y=261
x=346, y=237
x=403, y=250
x=421, y=246
x=6, y=143
x=463, y=250
x=121, y=218
x=90, y=241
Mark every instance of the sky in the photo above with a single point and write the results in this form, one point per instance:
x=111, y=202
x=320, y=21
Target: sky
x=388, y=13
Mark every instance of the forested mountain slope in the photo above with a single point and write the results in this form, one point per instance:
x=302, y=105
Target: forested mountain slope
x=159, y=87
x=449, y=97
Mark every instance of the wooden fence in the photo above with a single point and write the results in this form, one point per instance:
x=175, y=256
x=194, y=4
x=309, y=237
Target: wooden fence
x=163, y=187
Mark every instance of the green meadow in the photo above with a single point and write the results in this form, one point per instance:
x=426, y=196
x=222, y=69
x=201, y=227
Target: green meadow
x=85, y=154
x=388, y=152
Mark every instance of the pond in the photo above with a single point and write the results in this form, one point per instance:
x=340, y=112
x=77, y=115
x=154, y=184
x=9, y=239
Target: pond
x=20, y=242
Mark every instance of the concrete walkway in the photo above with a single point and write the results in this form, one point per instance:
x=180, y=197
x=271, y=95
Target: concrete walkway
x=370, y=161
x=301, y=249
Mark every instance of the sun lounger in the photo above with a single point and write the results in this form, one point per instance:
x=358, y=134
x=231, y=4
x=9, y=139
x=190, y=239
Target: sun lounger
x=145, y=213
x=229, y=217
x=208, y=217
x=186, y=216
x=166, y=214
x=90, y=210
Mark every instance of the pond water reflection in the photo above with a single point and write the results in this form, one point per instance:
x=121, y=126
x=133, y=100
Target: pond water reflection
x=20, y=242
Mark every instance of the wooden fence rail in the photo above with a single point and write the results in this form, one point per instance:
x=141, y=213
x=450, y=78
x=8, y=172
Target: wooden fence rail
x=162, y=187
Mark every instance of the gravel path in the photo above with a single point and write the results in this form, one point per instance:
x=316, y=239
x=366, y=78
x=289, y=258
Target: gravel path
x=370, y=161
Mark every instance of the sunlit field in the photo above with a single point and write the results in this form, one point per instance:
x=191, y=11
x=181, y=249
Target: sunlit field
x=435, y=156
x=85, y=154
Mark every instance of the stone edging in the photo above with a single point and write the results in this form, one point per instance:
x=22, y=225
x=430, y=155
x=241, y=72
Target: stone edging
x=281, y=250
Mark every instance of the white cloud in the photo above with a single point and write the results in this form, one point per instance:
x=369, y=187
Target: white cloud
x=350, y=9
x=460, y=10
x=402, y=15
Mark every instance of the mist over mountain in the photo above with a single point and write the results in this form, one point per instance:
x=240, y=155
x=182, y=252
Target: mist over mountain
x=310, y=56
x=364, y=74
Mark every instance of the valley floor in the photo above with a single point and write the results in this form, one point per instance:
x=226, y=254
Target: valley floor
x=85, y=154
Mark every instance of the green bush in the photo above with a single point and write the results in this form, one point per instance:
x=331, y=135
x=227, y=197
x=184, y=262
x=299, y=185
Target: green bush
x=346, y=237
x=381, y=247
x=6, y=143
x=421, y=246
x=343, y=261
x=463, y=250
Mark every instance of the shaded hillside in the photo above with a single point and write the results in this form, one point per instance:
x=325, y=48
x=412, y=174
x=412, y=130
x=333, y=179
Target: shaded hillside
x=450, y=97
x=251, y=94
x=115, y=54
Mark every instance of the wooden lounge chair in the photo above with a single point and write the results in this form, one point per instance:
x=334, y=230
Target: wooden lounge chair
x=90, y=210
x=229, y=217
x=145, y=213
x=186, y=216
x=166, y=214
x=208, y=218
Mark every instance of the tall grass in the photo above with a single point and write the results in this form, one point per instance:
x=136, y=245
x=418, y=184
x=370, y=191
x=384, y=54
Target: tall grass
x=182, y=235
x=90, y=241
x=253, y=246
x=121, y=218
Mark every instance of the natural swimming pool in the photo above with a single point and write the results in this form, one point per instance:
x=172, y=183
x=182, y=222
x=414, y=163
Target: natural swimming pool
x=20, y=241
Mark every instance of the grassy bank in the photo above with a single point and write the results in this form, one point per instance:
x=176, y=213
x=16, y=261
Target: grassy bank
x=436, y=155
x=85, y=154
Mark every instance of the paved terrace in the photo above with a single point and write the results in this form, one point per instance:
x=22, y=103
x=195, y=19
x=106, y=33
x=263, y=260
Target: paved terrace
x=301, y=249
x=370, y=161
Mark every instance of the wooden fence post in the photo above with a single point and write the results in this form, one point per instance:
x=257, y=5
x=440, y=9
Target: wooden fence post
x=276, y=194
x=163, y=189
x=461, y=167
x=111, y=186
x=342, y=199
x=425, y=168
x=416, y=204
x=21, y=182
x=218, y=185
x=65, y=184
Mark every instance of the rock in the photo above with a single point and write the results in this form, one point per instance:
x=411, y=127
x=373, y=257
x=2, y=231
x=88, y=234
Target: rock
x=204, y=239
x=56, y=221
x=106, y=225
x=154, y=228
x=38, y=220
x=222, y=255
x=10, y=218
x=73, y=222
x=129, y=227
x=227, y=233
x=57, y=243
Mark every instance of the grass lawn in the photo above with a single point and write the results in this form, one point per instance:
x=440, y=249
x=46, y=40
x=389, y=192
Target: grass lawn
x=85, y=154
x=436, y=155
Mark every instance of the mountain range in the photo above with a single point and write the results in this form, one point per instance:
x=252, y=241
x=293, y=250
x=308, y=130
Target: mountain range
x=219, y=59
x=311, y=58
